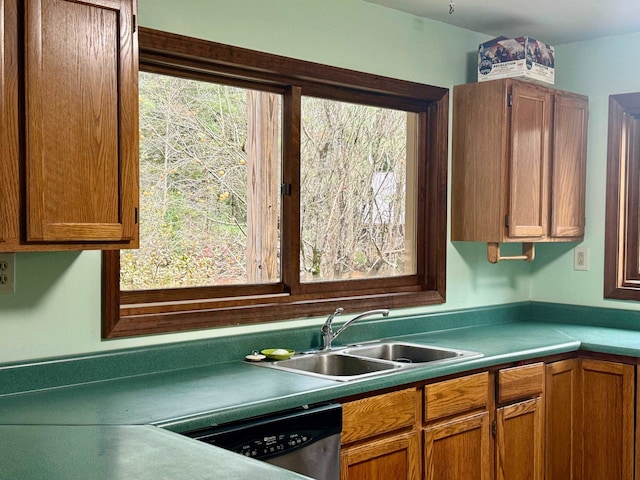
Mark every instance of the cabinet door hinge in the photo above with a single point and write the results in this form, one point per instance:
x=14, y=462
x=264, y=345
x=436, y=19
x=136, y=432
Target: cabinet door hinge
x=494, y=429
x=506, y=221
x=135, y=23
x=285, y=189
x=510, y=100
x=135, y=216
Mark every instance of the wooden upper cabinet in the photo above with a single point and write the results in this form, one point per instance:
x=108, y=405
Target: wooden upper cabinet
x=568, y=165
x=518, y=163
x=78, y=181
x=528, y=161
x=9, y=138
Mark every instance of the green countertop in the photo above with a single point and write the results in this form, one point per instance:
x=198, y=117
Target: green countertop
x=57, y=452
x=200, y=396
x=197, y=397
x=210, y=395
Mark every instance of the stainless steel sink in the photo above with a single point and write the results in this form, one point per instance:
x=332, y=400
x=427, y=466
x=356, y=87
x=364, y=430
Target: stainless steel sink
x=361, y=361
x=409, y=353
x=334, y=365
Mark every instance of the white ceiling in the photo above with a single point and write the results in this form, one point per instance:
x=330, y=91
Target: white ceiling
x=551, y=21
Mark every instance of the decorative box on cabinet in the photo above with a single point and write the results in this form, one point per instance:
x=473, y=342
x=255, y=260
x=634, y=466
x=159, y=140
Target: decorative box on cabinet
x=518, y=164
x=69, y=170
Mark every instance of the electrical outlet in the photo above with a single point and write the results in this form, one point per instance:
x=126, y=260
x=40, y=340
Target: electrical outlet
x=581, y=258
x=7, y=272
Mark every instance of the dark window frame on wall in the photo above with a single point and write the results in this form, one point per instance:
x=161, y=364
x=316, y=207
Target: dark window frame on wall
x=622, y=239
x=129, y=313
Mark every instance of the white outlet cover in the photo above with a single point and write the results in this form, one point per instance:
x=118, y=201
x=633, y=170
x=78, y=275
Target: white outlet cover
x=9, y=273
x=581, y=258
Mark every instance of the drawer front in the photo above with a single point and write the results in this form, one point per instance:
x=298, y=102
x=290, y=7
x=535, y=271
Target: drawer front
x=379, y=414
x=456, y=396
x=520, y=382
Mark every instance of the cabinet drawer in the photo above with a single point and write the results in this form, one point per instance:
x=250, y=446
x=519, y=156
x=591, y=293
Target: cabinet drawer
x=520, y=382
x=455, y=396
x=380, y=414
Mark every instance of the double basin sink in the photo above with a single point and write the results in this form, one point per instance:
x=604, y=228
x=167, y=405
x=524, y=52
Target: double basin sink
x=362, y=361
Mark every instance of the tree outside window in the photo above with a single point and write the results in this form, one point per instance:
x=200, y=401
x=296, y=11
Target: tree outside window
x=273, y=188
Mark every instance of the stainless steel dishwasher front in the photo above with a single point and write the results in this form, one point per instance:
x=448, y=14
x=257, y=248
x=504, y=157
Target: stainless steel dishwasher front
x=306, y=441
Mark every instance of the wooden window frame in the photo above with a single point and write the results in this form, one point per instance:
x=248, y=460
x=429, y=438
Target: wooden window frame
x=622, y=240
x=129, y=313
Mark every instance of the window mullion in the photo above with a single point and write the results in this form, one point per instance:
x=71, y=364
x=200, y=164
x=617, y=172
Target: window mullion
x=290, y=225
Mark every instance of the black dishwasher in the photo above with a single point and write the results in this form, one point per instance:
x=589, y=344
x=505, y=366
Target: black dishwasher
x=306, y=440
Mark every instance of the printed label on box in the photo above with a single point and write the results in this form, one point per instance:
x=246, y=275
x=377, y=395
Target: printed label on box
x=505, y=57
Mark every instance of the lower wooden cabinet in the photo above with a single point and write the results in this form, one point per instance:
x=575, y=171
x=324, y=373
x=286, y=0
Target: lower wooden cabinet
x=563, y=406
x=391, y=457
x=380, y=437
x=457, y=435
x=467, y=438
x=519, y=441
x=572, y=419
x=458, y=449
x=590, y=417
x=608, y=394
x=519, y=450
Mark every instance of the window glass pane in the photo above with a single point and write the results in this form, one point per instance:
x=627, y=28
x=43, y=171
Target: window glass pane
x=357, y=208
x=201, y=145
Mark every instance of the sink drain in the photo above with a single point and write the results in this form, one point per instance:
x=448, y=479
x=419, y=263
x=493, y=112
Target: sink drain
x=402, y=360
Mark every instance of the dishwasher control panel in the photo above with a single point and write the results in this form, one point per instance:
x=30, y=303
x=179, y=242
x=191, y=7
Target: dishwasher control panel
x=273, y=435
x=305, y=440
x=272, y=444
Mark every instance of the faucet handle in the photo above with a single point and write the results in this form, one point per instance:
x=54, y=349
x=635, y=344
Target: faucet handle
x=327, y=323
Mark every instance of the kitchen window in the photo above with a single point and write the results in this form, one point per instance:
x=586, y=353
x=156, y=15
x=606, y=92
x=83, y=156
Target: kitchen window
x=273, y=188
x=622, y=228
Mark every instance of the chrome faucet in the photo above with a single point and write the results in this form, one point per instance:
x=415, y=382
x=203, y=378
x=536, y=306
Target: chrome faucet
x=327, y=333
